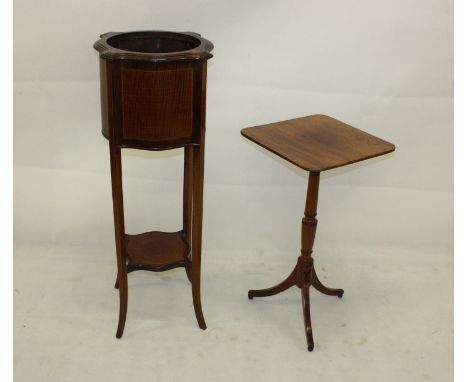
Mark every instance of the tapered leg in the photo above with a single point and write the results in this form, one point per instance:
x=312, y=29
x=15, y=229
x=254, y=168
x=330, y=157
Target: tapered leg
x=119, y=227
x=307, y=323
x=198, y=165
x=188, y=201
x=282, y=286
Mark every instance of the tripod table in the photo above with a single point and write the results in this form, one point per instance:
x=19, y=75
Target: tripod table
x=315, y=143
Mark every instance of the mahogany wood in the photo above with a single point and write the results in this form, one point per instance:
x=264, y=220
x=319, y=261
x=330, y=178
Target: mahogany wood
x=317, y=142
x=157, y=104
x=314, y=143
x=119, y=228
x=187, y=214
x=153, y=46
x=156, y=251
x=195, y=272
x=153, y=90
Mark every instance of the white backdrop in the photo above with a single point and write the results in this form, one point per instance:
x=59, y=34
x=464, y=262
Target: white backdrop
x=382, y=66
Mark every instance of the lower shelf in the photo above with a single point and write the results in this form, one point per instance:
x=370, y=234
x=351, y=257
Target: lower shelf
x=157, y=251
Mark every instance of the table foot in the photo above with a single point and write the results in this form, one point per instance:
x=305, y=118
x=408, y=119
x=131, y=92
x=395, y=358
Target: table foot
x=197, y=306
x=123, y=305
x=286, y=284
x=195, y=275
x=317, y=284
x=307, y=322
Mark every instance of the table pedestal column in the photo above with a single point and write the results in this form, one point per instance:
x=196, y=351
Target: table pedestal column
x=303, y=274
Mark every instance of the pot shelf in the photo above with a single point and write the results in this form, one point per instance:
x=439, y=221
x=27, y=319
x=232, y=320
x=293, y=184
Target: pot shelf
x=157, y=251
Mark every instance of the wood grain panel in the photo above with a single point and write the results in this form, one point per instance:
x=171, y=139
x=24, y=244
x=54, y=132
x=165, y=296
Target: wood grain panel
x=104, y=97
x=157, y=105
x=157, y=249
x=317, y=142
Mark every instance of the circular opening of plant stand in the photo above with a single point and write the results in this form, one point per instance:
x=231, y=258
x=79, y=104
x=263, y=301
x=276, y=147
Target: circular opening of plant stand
x=154, y=42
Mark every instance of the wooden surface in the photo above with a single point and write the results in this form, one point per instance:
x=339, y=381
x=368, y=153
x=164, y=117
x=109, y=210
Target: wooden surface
x=152, y=96
x=153, y=106
x=153, y=90
x=303, y=274
x=156, y=250
x=157, y=105
x=314, y=143
x=153, y=46
x=119, y=231
x=317, y=142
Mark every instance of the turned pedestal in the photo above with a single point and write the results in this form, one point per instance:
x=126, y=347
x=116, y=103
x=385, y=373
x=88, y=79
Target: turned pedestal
x=153, y=90
x=315, y=144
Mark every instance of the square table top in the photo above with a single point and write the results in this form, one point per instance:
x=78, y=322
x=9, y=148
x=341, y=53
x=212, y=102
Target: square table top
x=317, y=143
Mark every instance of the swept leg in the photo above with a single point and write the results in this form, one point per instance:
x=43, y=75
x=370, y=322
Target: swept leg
x=188, y=201
x=117, y=197
x=197, y=230
x=282, y=286
x=317, y=284
x=307, y=322
x=123, y=294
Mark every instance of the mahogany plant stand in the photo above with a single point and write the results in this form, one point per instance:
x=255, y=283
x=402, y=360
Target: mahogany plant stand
x=153, y=91
x=315, y=143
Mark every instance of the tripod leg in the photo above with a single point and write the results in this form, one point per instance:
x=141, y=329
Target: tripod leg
x=307, y=322
x=282, y=286
x=317, y=284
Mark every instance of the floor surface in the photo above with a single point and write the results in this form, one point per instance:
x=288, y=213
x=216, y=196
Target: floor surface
x=394, y=323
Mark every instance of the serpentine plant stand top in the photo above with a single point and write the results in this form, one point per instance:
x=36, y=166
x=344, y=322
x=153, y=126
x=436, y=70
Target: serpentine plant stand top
x=315, y=143
x=153, y=90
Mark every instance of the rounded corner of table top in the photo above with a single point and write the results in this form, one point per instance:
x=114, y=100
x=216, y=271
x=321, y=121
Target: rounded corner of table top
x=330, y=134
x=392, y=148
x=244, y=132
